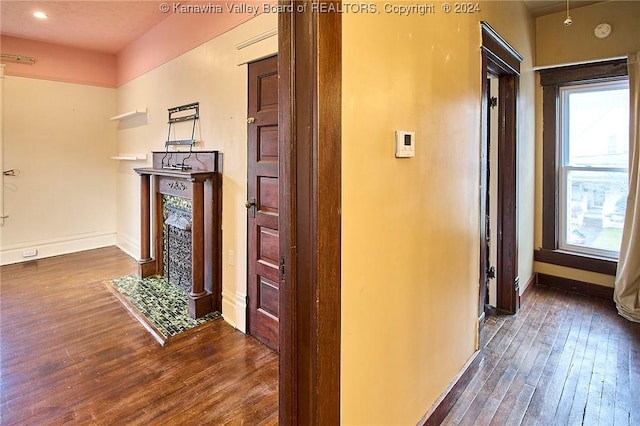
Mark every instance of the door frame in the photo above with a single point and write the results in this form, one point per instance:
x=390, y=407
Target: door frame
x=309, y=69
x=503, y=61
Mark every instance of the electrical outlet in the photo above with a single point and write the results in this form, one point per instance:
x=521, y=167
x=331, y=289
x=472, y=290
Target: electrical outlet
x=29, y=252
x=232, y=258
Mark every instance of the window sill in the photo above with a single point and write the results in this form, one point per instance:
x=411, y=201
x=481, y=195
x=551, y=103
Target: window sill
x=578, y=261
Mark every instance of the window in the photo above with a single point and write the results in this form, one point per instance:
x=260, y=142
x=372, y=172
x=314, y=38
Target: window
x=594, y=161
x=585, y=164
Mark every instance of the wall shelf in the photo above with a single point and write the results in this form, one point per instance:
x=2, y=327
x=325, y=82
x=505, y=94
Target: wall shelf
x=130, y=157
x=129, y=114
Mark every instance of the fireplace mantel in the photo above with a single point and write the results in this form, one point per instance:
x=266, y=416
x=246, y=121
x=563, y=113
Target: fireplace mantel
x=202, y=185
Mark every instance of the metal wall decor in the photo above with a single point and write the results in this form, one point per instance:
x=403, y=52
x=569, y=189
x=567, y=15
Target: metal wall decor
x=183, y=113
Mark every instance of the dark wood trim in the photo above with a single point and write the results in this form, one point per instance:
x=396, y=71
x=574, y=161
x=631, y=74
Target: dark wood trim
x=503, y=55
x=145, y=219
x=499, y=58
x=310, y=146
x=287, y=342
x=577, y=261
x=549, y=168
x=484, y=186
x=328, y=184
x=575, y=286
x=447, y=400
x=584, y=73
x=551, y=81
x=507, y=288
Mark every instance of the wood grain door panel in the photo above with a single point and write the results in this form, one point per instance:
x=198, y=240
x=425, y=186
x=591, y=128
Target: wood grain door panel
x=262, y=192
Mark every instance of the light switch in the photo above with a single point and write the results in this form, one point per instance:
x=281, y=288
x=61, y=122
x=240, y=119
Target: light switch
x=405, y=144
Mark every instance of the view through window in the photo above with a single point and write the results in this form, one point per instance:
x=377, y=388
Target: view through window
x=594, y=161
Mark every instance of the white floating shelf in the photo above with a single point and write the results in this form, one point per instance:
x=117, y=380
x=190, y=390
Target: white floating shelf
x=130, y=157
x=129, y=114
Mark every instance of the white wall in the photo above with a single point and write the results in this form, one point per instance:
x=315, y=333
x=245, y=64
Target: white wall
x=60, y=139
x=209, y=74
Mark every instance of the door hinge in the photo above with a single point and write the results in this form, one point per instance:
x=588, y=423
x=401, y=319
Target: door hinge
x=493, y=102
x=282, y=269
x=251, y=120
x=491, y=272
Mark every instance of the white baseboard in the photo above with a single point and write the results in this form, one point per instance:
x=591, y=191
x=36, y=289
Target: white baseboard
x=234, y=310
x=127, y=245
x=15, y=253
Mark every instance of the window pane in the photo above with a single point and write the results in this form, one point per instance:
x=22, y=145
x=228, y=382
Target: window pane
x=598, y=125
x=594, y=163
x=595, y=210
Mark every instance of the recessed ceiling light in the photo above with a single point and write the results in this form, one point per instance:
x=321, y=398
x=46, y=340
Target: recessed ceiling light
x=40, y=15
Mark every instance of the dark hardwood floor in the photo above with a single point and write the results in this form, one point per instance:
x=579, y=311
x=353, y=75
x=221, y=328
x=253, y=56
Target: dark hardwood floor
x=565, y=359
x=71, y=353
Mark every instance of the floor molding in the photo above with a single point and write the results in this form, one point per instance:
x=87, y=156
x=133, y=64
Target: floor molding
x=234, y=309
x=446, y=401
x=526, y=291
x=575, y=286
x=128, y=245
x=16, y=253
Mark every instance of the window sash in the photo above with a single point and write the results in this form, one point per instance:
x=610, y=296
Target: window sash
x=565, y=169
x=564, y=219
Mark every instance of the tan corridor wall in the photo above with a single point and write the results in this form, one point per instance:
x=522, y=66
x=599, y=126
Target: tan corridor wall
x=410, y=227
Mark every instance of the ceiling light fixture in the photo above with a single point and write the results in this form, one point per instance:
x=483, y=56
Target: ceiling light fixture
x=40, y=15
x=568, y=21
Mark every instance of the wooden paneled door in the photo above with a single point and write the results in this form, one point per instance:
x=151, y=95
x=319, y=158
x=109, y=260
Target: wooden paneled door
x=262, y=202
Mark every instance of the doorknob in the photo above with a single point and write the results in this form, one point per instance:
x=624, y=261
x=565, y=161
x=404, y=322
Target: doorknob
x=251, y=206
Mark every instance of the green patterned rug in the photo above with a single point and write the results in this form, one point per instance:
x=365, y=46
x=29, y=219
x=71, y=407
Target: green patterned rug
x=158, y=304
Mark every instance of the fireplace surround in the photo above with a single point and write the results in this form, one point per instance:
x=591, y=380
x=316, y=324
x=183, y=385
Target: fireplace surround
x=183, y=219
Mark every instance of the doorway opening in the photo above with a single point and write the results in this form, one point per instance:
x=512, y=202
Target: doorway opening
x=491, y=298
x=498, y=181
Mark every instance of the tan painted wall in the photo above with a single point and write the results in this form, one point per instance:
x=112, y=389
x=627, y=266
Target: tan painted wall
x=559, y=45
x=410, y=227
x=59, y=137
x=208, y=74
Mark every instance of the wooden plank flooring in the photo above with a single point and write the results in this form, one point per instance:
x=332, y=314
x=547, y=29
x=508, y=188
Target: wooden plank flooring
x=71, y=353
x=565, y=359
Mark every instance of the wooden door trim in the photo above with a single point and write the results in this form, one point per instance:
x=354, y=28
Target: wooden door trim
x=310, y=195
x=502, y=60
